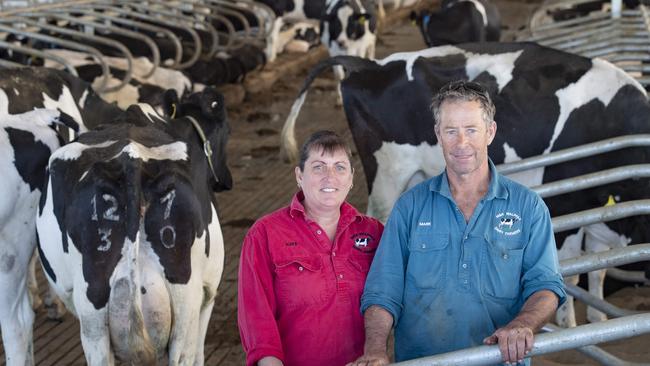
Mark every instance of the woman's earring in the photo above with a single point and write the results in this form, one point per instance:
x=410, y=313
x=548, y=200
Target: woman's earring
x=352, y=186
x=299, y=187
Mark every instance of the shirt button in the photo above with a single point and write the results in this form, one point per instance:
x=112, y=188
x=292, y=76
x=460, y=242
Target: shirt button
x=424, y=246
x=464, y=265
x=465, y=281
x=340, y=276
x=333, y=254
x=318, y=232
x=300, y=269
x=466, y=237
x=505, y=256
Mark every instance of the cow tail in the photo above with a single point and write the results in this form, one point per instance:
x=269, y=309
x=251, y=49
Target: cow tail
x=143, y=352
x=289, y=147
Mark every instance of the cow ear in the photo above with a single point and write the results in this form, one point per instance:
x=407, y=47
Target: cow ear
x=170, y=103
x=213, y=104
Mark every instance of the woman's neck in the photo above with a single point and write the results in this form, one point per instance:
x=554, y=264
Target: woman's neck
x=327, y=219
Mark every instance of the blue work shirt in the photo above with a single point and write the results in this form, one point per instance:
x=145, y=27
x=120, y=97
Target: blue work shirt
x=449, y=283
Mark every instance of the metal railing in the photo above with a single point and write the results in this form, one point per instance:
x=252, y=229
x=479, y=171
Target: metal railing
x=582, y=337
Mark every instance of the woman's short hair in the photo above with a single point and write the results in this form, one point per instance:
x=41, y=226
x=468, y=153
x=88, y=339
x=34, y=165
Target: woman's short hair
x=327, y=142
x=466, y=91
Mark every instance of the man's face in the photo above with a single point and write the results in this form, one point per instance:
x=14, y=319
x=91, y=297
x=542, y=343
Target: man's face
x=464, y=136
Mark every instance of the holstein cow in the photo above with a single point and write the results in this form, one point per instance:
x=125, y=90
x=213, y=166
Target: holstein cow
x=347, y=26
x=26, y=89
x=129, y=233
x=26, y=142
x=546, y=100
x=460, y=21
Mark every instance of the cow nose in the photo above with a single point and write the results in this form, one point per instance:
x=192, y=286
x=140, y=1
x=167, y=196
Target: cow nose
x=342, y=43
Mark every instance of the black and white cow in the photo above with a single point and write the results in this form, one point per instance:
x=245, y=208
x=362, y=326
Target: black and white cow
x=32, y=100
x=546, y=100
x=348, y=27
x=460, y=21
x=129, y=233
x=26, y=142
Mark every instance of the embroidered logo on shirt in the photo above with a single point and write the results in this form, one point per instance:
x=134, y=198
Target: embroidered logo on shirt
x=291, y=244
x=424, y=223
x=508, y=223
x=362, y=242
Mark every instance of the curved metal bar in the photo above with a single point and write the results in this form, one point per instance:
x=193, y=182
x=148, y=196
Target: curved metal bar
x=628, y=276
x=592, y=180
x=73, y=45
x=195, y=37
x=603, y=357
x=155, y=52
x=580, y=336
x=34, y=52
x=10, y=64
x=146, y=26
x=574, y=153
x=597, y=303
x=600, y=214
x=265, y=23
x=213, y=32
x=231, y=39
x=235, y=14
x=70, y=32
x=609, y=258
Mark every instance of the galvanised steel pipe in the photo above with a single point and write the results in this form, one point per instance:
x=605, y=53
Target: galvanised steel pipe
x=601, y=214
x=627, y=276
x=592, y=180
x=610, y=330
x=574, y=153
x=597, y=303
x=603, y=357
x=610, y=258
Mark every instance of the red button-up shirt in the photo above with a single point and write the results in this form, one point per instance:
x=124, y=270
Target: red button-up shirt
x=299, y=293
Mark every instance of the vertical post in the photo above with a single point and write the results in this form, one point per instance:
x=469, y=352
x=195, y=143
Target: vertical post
x=616, y=9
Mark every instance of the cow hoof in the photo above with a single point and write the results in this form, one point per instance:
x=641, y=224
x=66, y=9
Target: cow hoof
x=55, y=309
x=36, y=301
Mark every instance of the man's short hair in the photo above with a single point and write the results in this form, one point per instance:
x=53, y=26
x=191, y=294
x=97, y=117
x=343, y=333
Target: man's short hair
x=327, y=141
x=466, y=91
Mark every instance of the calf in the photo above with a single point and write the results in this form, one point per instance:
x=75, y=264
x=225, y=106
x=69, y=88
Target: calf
x=130, y=237
x=26, y=142
x=460, y=21
x=546, y=100
x=348, y=27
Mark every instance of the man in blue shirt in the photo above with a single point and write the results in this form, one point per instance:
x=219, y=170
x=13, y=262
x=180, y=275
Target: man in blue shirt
x=467, y=257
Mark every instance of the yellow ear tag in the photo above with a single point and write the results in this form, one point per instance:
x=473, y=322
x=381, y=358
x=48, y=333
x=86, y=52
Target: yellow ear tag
x=413, y=22
x=174, y=112
x=610, y=201
x=362, y=20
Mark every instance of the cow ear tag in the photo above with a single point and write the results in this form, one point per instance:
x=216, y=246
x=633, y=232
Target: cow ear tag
x=362, y=19
x=610, y=201
x=173, y=111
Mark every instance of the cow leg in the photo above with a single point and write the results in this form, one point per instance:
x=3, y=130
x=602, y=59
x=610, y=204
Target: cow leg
x=340, y=74
x=272, y=40
x=16, y=313
x=571, y=248
x=32, y=284
x=55, y=308
x=599, y=238
x=95, y=337
x=204, y=321
x=186, y=306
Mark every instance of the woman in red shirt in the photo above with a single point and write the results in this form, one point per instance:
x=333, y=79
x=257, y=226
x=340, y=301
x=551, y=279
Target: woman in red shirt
x=303, y=267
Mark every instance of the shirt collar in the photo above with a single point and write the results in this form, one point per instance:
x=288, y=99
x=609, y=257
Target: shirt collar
x=496, y=189
x=296, y=208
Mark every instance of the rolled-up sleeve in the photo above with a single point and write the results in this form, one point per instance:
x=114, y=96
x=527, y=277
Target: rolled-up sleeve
x=256, y=303
x=541, y=267
x=385, y=283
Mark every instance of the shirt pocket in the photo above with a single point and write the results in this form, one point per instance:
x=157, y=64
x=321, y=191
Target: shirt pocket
x=426, y=267
x=501, y=269
x=300, y=282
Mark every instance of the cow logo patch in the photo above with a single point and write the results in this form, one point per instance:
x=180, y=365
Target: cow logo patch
x=363, y=242
x=508, y=223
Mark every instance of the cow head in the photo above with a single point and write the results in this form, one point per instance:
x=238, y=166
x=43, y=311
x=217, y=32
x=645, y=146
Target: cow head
x=207, y=109
x=347, y=26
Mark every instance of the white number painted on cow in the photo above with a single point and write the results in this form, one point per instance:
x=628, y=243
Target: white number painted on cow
x=173, y=236
x=103, y=236
x=109, y=214
x=170, y=199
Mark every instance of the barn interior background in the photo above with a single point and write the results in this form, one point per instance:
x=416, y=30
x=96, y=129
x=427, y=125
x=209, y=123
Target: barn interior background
x=258, y=104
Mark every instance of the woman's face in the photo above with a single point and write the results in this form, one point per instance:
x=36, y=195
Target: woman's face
x=326, y=179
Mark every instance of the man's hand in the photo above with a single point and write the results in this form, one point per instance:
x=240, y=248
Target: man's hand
x=371, y=359
x=515, y=342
